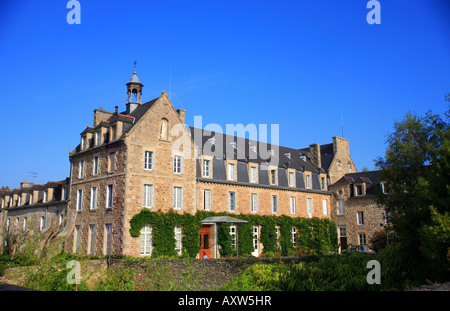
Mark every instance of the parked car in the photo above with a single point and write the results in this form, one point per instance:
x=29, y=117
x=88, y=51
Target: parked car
x=359, y=249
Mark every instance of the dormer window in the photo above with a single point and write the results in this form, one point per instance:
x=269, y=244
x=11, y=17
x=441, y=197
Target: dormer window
x=308, y=181
x=97, y=138
x=384, y=188
x=358, y=190
x=83, y=142
x=273, y=177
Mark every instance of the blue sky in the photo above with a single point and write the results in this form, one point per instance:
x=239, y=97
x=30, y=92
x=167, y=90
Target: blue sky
x=300, y=64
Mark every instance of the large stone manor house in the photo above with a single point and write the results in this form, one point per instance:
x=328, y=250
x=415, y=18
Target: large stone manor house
x=143, y=156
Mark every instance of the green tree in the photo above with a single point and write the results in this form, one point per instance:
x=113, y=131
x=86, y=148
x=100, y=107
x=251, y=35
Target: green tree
x=416, y=168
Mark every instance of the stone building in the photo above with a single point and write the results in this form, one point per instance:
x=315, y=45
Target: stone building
x=145, y=157
x=355, y=213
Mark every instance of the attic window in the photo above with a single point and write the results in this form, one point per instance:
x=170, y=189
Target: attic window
x=358, y=190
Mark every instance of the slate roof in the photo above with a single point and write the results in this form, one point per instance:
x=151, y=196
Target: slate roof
x=370, y=178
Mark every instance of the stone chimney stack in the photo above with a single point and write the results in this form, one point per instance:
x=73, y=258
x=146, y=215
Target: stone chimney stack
x=181, y=113
x=314, y=151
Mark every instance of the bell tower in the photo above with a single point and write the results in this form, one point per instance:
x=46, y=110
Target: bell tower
x=134, y=92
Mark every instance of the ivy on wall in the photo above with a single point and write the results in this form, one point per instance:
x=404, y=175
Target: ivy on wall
x=314, y=235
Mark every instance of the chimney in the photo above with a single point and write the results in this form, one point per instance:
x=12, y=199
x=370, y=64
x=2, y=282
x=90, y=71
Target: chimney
x=314, y=150
x=181, y=113
x=25, y=184
x=117, y=110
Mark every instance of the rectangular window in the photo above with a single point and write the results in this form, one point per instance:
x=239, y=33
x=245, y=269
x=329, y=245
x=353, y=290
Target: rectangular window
x=177, y=197
x=324, y=207
x=362, y=239
x=42, y=223
x=232, y=201
x=63, y=195
x=111, y=162
x=231, y=171
x=93, y=204
x=109, y=196
x=97, y=138
x=147, y=197
x=274, y=204
x=360, y=218
x=324, y=183
x=254, y=202
x=291, y=179
x=358, y=190
x=77, y=238
x=309, y=206
x=95, y=166
x=148, y=160
x=79, y=199
x=207, y=200
x=60, y=219
x=24, y=224
x=233, y=236
x=146, y=240
x=91, y=239
x=81, y=170
x=273, y=177
x=108, y=229
x=308, y=181
x=340, y=207
x=253, y=174
x=292, y=205
x=178, y=240
x=206, y=168
x=83, y=143
x=177, y=163
x=294, y=236
x=45, y=196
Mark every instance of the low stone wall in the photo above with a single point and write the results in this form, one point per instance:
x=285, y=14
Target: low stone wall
x=165, y=274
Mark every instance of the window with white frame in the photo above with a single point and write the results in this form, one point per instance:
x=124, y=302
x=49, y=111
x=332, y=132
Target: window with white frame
x=278, y=235
x=233, y=236
x=274, y=204
x=294, y=236
x=360, y=218
x=206, y=168
x=42, y=223
x=24, y=224
x=291, y=179
x=362, y=239
x=292, y=205
x=255, y=238
x=231, y=171
x=91, y=239
x=384, y=188
x=146, y=240
x=111, y=162
x=94, y=193
x=309, y=206
x=109, y=196
x=254, y=202
x=308, y=181
x=95, y=165
x=148, y=160
x=178, y=239
x=358, y=190
x=79, y=199
x=45, y=196
x=177, y=164
x=273, y=177
x=340, y=207
x=177, y=197
x=81, y=169
x=97, y=138
x=60, y=219
x=19, y=201
x=324, y=207
x=147, y=197
x=232, y=201
x=324, y=183
x=253, y=174
x=83, y=143
x=63, y=195
x=207, y=200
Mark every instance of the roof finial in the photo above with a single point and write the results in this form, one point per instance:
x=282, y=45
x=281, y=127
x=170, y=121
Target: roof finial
x=135, y=66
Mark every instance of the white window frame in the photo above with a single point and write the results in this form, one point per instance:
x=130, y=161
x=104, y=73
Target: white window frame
x=340, y=207
x=362, y=239
x=274, y=200
x=292, y=205
x=146, y=240
x=25, y=224
x=254, y=202
x=206, y=172
x=309, y=207
x=253, y=174
x=148, y=160
x=233, y=236
x=231, y=201
x=325, y=207
x=94, y=195
x=95, y=164
x=109, y=196
x=291, y=179
x=42, y=223
x=178, y=230
x=308, y=181
x=207, y=199
x=178, y=164
x=360, y=218
x=45, y=199
x=356, y=192
x=79, y=199
x=294, y=236
x=148, y=192
x=273, y=176
x=177, y=197
x=231, y=171
x=323, y=181
x=81, y=169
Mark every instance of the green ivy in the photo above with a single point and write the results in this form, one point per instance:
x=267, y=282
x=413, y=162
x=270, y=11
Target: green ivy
x=314, y=235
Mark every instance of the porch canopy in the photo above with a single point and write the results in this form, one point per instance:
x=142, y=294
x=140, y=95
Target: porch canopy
x=218, y=220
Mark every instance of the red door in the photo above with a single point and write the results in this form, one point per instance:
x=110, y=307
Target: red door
x=205, y=236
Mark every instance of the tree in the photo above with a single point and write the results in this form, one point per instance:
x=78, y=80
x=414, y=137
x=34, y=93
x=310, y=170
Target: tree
x=4, y=188
x=416, y=168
